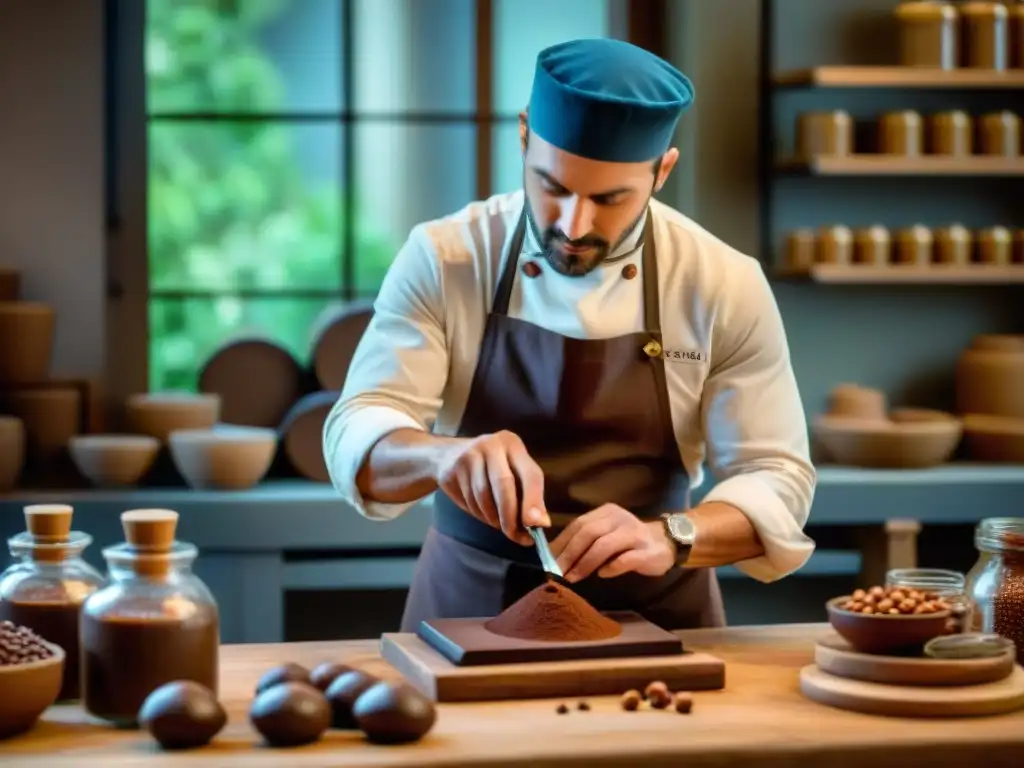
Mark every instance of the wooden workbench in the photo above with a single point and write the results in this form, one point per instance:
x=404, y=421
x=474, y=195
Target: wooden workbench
x=759, y=720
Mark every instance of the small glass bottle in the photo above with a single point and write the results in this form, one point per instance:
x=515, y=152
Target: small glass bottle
x=948, y=586
x=46, y=585
x=996, y=582
x=153, y=623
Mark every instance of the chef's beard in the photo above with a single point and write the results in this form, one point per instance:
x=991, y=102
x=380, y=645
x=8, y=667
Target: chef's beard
x=576, y=264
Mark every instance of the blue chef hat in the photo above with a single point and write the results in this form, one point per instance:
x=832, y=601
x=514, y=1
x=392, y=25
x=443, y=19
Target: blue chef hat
x=607, y=100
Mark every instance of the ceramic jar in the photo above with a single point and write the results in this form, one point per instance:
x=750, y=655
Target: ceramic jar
x=984, y=40
x=801, y=250
x=953, y=245
x=999, y=134
x=835, y=245
x=914, y=246
x=872, y=246
x=989, y=375
x=901, y=133
x=928, y=34
x=995, y=246
x=824, y=133
x=951, y=134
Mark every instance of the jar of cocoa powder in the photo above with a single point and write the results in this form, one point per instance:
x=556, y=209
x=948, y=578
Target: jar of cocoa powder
x=45, y=587
x=932, y=583
x=996, y=582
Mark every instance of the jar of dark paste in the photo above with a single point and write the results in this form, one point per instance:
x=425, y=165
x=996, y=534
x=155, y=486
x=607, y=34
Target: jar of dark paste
x=155, y=622
x=45, y=587
x=996, y=582
x=948, y=586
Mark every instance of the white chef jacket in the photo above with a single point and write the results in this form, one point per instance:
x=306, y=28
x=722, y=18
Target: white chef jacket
x=732, y=392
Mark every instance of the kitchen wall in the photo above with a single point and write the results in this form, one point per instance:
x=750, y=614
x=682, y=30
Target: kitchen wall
x=51, y=168
x=903, y=339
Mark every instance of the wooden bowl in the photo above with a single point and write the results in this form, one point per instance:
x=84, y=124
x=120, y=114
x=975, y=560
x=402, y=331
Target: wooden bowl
x=884, y=633
x=158, y=414
x=857, y=402
x=110, y=461
x=911, y=438
x=26, y=690
x=994, y=438
x=228, y=457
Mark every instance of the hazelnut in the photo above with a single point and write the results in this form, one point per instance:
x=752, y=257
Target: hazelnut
x=683, y=702
x=583, y=706
x=908, y=605
x=877, y=592
x=655, y=688
x=858, y=595
x=631, y=700
x=868, y=609
x=894, y=611
x=884, y=605
x=562, y=709
x=897, y=596
x=869, y=600
x=858, y=607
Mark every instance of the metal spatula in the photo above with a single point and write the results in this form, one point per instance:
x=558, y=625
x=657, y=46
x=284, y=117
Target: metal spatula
x=547, y=560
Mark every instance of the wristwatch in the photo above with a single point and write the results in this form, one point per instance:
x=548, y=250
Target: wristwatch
x=681, y=530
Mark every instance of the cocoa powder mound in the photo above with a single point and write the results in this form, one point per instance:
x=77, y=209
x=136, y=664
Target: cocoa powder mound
x=552, y=613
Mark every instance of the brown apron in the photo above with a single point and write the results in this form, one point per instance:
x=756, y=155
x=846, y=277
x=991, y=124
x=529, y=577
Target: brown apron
x=594, y=414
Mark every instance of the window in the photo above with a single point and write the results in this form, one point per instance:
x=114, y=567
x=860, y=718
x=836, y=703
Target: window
x=292, y=145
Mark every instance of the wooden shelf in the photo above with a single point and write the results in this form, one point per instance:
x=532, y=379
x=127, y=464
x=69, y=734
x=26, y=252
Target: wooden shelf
x=898, y=77
x=935, y=274
x=895, y=165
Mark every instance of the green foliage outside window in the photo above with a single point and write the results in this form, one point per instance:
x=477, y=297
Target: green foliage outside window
x=229, y=207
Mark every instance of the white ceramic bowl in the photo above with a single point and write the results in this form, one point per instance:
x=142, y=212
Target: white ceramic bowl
x=226, y=457
x=113, y=460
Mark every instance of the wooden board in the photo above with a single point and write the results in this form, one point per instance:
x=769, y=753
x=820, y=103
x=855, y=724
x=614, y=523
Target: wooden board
x=466, y=642
x=997, y=698
x=835, y=656
x=444, y=681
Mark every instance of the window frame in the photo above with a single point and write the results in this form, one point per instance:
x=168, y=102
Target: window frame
x=126, y=163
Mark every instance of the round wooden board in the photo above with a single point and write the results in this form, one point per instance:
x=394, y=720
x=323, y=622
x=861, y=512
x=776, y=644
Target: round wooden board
x=835, y=656
x=997, y=698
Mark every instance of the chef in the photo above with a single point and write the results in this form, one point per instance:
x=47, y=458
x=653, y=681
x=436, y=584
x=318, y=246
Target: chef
x=569, y=356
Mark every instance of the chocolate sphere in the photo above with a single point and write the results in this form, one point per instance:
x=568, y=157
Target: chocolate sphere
x=182, y=715
x=342, y=694
x=286, y=673
x=290, y=714
x=391, y=713
x=324, y=674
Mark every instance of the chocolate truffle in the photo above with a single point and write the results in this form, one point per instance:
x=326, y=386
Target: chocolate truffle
x=394, y=713
x=324, y=674
x=182, y=715
x=290, y=714
x=342, y=694
x=286, y=673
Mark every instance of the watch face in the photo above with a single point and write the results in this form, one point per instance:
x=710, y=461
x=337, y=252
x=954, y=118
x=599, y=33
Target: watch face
x=681, y=528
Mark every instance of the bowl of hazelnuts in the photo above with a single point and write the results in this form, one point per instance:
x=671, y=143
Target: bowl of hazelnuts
x=888, y=620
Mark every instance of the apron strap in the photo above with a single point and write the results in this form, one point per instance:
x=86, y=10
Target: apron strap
x=508, y=272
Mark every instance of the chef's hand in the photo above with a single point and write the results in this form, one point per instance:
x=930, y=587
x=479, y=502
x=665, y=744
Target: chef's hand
x=612, y=541
x=492, y=477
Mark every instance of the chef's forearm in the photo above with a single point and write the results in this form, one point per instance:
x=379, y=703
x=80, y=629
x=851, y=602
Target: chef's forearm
x=402, y=466
x=724, y=535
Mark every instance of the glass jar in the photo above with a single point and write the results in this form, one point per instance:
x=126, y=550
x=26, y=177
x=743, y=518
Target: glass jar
x=996, y=582
x=948, y=586
x=154, y=622
x=46, y=585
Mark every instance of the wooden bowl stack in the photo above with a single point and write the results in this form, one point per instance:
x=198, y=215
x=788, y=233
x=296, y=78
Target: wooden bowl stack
x=40, y=413
x=990, y=397
x=858, y=431
x=263, y=385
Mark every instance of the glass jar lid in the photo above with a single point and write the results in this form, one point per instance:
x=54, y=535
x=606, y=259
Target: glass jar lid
x=938, y=580
x=1000, y=534
x=26, y=544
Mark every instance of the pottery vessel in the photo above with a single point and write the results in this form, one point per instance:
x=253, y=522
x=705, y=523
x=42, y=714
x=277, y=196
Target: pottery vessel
x=27, y=690
x=994, y=439
x=990, y=377
x=12, y=452
x=26, y=341
x=51, y=417
x=158, y=414
x=110, y=461
x=882, y=633
x=912, y=438
x=227, y=457
x=856, y=402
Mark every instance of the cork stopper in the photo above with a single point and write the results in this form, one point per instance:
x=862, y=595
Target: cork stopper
x=50, y=523
x=150, y=530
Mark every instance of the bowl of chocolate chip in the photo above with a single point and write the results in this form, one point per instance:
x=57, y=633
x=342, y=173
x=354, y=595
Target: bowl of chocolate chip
x=888, y=620
x=31, y=672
